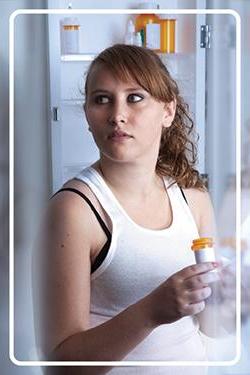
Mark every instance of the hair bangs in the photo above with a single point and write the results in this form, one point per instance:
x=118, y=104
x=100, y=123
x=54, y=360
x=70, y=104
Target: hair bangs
x=139, y=65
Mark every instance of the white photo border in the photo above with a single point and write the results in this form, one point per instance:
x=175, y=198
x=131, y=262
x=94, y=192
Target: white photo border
x=11, y=184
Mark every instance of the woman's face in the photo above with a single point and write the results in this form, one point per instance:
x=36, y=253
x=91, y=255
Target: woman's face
x=126, y=121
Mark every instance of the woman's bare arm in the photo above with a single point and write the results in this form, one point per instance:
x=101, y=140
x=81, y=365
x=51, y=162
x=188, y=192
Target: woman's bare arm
x=61, y=279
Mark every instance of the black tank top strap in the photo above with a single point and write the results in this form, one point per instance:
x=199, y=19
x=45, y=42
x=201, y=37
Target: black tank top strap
x=182, y=192
x=97, y=215
x=104, y=251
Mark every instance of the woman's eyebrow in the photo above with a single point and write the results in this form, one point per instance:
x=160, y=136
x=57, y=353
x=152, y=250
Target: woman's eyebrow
x=135, y=88
x=100, y=90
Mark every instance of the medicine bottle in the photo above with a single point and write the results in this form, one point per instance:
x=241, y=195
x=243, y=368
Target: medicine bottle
x=70, y=29
x=204, y=252
x=203, y=249
x=142, y=20
x=168, y=28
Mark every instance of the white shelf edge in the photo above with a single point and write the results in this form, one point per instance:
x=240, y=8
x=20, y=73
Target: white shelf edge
x=79, y=57
x=72, y=102
x=91, y=56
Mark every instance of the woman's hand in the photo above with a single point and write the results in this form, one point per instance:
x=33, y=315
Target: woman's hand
x=184, y=293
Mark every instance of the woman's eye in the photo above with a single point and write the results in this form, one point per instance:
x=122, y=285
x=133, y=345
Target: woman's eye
x=134, y=98
x=101, y=99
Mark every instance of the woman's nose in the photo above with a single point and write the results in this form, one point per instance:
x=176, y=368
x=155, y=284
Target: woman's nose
x=118, y=114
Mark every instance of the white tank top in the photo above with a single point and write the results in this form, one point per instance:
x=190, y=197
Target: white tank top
x=138, y=261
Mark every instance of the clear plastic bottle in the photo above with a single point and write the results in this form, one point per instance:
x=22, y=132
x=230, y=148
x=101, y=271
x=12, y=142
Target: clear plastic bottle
x=138, y=39
x=130, y=33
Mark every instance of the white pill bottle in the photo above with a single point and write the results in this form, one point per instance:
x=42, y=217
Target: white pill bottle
x=203, y=248
x=70, y=33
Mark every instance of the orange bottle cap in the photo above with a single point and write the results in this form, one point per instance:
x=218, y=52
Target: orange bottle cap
x=203, y=242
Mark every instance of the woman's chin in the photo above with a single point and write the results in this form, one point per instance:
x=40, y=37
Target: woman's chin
x=119, y=156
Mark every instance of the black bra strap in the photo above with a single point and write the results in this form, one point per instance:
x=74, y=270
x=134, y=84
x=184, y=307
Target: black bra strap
x=182, y=192
x=101, y=256
x=101, y=222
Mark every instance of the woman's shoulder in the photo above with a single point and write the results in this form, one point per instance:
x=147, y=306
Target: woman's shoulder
x=69, y=204
x=68, y=196
x=200, y=197
x=200, y=204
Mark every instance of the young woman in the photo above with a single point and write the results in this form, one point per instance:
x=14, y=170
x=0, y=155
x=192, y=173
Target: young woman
x=118, y=279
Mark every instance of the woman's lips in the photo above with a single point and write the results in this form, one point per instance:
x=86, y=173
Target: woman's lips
x=119, y=135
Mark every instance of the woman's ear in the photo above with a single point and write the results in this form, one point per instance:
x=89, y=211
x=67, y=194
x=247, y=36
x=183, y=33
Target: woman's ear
x=170, y=109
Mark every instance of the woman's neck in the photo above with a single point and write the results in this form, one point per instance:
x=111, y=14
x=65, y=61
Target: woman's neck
x=129, y=179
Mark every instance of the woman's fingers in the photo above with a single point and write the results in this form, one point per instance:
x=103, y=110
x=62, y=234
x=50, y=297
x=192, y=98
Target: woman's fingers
x=194, y=301
x=185, y=293
x=196, y=269
x=201, y=280
x=195, y=308
x=196, y=296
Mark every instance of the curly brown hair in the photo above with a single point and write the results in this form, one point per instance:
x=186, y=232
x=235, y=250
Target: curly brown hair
x=178, y=151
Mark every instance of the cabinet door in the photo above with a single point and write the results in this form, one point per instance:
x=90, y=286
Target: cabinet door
x=221, y=108
x=55, y=119
x=71, y=142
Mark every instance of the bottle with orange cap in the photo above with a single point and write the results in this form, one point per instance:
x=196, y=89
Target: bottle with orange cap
x=203, y=248
x=70, y=34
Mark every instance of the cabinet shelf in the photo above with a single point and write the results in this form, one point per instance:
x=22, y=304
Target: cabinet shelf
x=179, y=63
x=79, y=57
x=91, y=56
x=72, y=101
